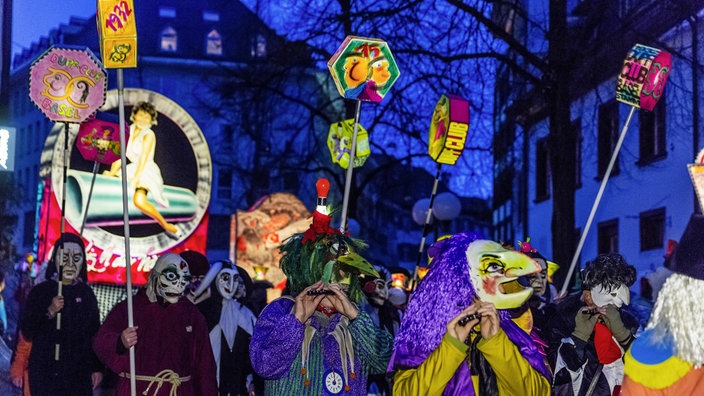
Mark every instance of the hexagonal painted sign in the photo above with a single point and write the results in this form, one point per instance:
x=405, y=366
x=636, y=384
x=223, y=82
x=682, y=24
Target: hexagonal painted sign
x=643, y=77
x=68, y=85
x=340, y=143
x=99, y=140
x=448, y=129
x=363, y=69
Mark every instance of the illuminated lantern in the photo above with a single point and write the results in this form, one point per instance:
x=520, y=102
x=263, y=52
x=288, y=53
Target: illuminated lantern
x=696, y=172
x=340, y=143
x=363, y=69
x=68, y=85
x=448, y=129
x=99, y=140
x=422, y=271
x=643, y=77
x=117, y=29
x=260, y=272
x=399, y=280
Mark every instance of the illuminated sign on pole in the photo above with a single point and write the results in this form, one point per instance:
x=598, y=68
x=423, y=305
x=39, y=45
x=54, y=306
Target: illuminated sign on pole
x=8, y=139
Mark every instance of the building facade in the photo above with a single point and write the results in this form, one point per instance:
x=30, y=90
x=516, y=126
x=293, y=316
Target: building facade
x=648, y=198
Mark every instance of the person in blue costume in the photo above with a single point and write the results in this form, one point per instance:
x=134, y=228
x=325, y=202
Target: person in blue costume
x=667, y=358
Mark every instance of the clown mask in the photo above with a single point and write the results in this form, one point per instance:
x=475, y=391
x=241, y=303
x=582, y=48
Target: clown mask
x=71, y=258
x=602, y=296
x=168, y=279
x=494, y=273
x=229, y=284
x=377, y=291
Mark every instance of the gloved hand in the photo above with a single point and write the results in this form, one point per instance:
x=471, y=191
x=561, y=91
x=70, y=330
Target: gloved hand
x=612, y=320
x=584, y=324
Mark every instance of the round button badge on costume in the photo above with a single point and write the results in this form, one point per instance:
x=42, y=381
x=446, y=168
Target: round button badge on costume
x=333, y=382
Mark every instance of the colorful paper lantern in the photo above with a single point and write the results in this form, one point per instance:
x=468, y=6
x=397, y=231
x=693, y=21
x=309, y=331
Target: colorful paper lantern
x=643, y=77
x=117, y=29
x=68, y=85
x=363, y=69
x=340, y=143
x=448, y=129
x=696, y=173
x=99, y=140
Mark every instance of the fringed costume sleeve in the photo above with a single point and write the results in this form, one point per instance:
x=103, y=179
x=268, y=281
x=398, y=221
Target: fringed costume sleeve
x=276, y=341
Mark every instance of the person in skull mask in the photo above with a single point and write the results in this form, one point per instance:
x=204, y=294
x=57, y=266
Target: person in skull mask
x=231, y=324
x=170, y=337
x=77, y=371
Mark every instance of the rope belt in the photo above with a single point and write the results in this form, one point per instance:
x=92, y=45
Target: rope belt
x=167, y=375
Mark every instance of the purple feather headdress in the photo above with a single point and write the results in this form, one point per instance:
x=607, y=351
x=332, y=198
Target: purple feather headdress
x=444, y=292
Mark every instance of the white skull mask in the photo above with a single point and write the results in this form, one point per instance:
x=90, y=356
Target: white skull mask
x=169, y=278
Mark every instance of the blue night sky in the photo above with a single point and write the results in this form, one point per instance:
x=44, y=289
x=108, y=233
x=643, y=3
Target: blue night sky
x=35, y=18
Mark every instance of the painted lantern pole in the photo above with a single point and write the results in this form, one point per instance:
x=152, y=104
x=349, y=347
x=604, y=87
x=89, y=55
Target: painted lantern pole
x=696, y=173
x=97, y=141
x=117, y=30
x=363, y=69
x=640, y=84
x=68, y=85
x=446, y=140
x=340, y=144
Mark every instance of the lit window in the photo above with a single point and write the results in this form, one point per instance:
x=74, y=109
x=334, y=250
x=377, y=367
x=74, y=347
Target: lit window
x=211, y=16
x=258, y=46
x=169, y=39
x=167, y=12
x=213, y=44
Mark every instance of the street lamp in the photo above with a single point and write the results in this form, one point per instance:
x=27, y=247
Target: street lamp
x=446, y=207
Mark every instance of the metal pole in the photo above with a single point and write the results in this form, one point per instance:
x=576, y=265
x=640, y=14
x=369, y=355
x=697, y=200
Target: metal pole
x=583, y=237
x=57, y=347
x=426, y=226
x=126, y=220
x=348, y=176
x=90, y=194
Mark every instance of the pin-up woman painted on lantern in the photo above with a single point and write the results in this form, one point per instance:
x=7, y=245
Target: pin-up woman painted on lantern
x=365, y=73
x=143, y=173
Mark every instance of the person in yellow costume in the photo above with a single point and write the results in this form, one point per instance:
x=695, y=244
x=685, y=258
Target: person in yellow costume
x=457, y=336
x=668, y=356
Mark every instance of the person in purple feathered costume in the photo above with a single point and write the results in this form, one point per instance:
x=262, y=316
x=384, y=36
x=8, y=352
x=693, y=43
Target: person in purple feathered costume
x=457, y=337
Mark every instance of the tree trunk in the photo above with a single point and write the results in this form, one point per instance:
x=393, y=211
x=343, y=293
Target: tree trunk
x=562, y=142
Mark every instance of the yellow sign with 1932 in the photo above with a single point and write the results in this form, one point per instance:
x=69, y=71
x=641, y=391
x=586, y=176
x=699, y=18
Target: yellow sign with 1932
x=117, y=28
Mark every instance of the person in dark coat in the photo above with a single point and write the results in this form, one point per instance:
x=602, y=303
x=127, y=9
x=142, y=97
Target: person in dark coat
x=231, y=324
x=169, y=336
x=590, y=332
x=62, y=362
